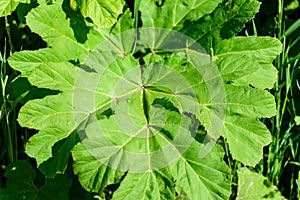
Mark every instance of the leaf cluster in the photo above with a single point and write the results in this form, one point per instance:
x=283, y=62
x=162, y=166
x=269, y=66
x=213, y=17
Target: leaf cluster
x=144, y=107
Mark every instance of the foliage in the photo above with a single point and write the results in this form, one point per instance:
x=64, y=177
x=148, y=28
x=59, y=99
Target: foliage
x=255, y=186
x=7, y=7
x=21, y=184
x=114, y=103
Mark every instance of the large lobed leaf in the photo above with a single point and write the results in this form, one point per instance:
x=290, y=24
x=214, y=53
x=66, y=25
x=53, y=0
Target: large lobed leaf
x=139, y=123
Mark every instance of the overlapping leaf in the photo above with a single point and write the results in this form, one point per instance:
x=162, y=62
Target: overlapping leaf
x=49, y=21
x=21, y=184
x=59, y=35
x=103, y=13
x=57, y=31
x=262, y=49
x=155, y=13
x=149, y=185
x=223, y=23
x=139, y=122
x=252, y=185
x=239, y=102
x=190, y=177
x=8, y=6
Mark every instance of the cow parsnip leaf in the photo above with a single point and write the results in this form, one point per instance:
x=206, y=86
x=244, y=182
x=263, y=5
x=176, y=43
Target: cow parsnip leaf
x=154, y=13
x=223, y=23
x=98, y=155
x=141, y=136
x=26, y=61
x=20, y=184
x=233, y=67
x=98, y=36
x=253, y=135
x=250, y=102
x=239, y=100
x=149, y=185
x=49, y=21
x=103, y=13
x=262, y=49
x=264, y=77
x=252, y=185
x=140, y=121
x=8, y=6
x=59, y=160
x=56, y=111
x=118, y=135
x=202, y=177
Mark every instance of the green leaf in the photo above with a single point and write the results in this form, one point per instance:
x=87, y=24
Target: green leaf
x=159, y=82
x=56, y=111
x=149, y=185
x=93, y=175
x=40, y=145
x=223, y=23
x=135, y=97
x=21, y=184
x=61, y=153
x=128, y=145
x=263, y=78
x=263, y=49
x=8, y=6
x=103, y=13
x=135, y=151
x=40, y=113
x=252, y=185
x=98, y=36
x=198, y=177
x=234, y=67
x=250, y=102
x=49, y=21
x=297, y=120
x=26, y=61
x=50, y=76
x=154, y=14
x=250, y=134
